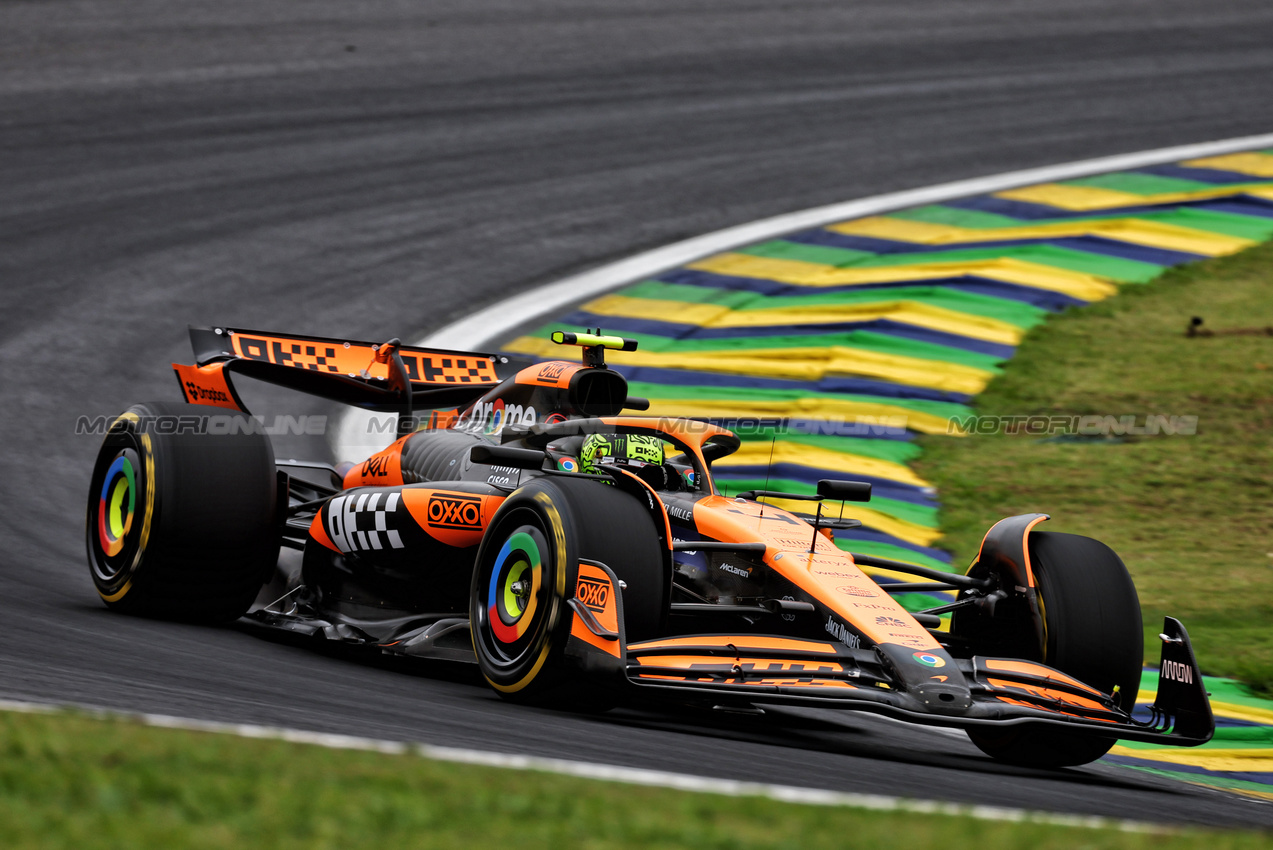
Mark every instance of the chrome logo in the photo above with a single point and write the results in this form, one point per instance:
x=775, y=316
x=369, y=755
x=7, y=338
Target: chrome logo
x=118, y=502
x=928, y=659
x=568, y=464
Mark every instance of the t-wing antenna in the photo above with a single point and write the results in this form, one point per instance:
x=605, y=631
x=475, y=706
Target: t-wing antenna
x=594, y=345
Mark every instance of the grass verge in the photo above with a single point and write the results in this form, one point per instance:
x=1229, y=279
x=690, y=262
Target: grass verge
x=79, y=782
x=1192, y=516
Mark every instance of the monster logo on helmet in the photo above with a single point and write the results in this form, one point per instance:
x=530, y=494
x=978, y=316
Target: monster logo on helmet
x=619, y=448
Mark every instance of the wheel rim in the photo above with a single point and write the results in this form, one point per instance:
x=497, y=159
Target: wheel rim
x=114, y=524
x=116, y=504
x=515, y=591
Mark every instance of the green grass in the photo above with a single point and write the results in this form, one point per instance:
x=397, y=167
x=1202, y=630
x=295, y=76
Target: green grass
x=1192, y=516
x=77, y=782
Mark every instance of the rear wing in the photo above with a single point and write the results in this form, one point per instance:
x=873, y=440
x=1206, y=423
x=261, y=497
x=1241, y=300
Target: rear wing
x=386, y=377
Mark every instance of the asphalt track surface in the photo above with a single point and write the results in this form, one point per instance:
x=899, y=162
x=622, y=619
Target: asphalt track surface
x=377, y=169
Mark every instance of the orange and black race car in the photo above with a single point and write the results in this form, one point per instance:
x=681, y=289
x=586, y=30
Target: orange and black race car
x=581, y=556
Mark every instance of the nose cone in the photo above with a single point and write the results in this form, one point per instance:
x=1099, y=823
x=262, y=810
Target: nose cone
x=929, y=676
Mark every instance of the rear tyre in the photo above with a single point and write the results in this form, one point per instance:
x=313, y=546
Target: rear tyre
x=525, y=574
x=1092, y=626
x=182, y=513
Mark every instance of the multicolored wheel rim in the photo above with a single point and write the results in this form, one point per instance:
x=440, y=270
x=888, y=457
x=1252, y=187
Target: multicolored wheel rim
x=517, y=578
x=117, y=503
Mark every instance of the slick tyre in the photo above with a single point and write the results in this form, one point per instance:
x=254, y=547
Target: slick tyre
x=526, y=570
x=182, y=513
x=1092, y=626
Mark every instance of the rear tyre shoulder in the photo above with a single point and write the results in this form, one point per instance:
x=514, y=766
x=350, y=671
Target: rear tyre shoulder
x=182, y=513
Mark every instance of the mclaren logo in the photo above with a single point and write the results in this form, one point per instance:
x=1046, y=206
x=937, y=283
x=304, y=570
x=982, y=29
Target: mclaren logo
x=450, y=510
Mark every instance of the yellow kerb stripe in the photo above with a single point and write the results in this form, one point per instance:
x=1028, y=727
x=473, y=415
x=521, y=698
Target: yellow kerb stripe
x=798, y=273
x=867, y=414
x=816, y=457
x=1136, y=231
x=899, y=528
x=1255, y=164
x=1082, y=198
x=718, y=316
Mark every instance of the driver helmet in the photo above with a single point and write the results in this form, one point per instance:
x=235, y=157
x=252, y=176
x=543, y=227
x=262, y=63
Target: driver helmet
x=629, y=450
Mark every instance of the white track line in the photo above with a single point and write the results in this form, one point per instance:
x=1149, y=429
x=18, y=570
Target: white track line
x=605, y=773
x=353, y=438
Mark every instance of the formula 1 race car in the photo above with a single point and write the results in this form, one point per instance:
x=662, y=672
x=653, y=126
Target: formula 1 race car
x=582, y=556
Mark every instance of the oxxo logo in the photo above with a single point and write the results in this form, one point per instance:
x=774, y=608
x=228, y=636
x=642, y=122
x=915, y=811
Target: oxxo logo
x=593, y=594
x=453, y=511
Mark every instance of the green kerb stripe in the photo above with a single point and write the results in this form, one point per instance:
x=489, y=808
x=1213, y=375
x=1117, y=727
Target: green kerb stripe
x=658, y=392
x=908, y=511
x=1140, y=184
x=1209, y=779
x=895, y=553
x=863, y=340
x=826, y=255
x=896, y=451
x=1256, y=228
x=1002, y=309
x=1102, y=265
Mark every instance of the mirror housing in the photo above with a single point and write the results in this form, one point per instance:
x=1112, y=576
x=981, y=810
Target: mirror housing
x=847, y=491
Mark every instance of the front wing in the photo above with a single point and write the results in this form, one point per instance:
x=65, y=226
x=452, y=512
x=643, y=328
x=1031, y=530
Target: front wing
x=758, y=669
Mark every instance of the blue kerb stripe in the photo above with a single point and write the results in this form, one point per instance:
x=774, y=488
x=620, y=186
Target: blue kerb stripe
x=676, y=331
x=868, y=535
x=973, y=284
x=847, y=386
x=1087, y=244
x=885, y=488
x=1023, y=211
x=817, y=427
x=1263, y=778
x=1214, y=176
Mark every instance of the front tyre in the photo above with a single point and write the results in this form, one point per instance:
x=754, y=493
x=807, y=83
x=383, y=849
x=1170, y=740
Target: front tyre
x=1092, y=628
x=526, y=571
x=182, y=513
